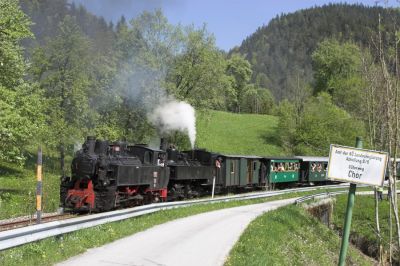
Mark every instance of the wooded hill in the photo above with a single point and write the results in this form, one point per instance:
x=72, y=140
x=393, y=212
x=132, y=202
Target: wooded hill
x=66, y=73
x=280, y=52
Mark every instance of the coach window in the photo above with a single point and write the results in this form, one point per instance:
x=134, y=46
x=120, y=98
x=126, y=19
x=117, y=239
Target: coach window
x=147, y=157
x=313, y=167
x=287, y=167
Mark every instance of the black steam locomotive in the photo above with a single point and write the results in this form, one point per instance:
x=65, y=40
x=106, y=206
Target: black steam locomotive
x=109, y=175
x=105, y=176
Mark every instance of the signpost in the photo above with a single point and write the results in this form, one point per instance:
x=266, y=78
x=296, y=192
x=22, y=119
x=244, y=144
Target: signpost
x=39, y=187
x=357, y=166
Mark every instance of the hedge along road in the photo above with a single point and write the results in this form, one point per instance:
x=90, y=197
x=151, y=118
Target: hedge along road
x=202, y=239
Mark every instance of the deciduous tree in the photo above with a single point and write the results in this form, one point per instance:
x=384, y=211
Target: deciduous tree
x=62, y=68
x=20, y=107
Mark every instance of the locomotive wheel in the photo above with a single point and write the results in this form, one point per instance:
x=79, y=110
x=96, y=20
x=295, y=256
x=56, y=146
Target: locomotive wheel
x=64, y=187
x=105, y=198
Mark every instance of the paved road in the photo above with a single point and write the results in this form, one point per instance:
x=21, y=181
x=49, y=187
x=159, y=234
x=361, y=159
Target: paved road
x=203, y=239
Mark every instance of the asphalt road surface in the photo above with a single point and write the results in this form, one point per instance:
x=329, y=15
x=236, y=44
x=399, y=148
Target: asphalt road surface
x=202, y=239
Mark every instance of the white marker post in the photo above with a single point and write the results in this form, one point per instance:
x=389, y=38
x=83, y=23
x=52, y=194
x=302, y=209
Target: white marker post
x=213, y=188
x=357, y=166
x=217, y=169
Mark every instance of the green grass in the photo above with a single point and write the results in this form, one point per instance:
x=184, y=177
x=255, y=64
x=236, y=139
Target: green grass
x=288, y=236
x=54, y=249
x=18, y=189
x=246, y=134
x=363, y=221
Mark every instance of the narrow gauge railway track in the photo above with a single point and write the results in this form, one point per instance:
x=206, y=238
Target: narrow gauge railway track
x=27, y=234
x=22, y=222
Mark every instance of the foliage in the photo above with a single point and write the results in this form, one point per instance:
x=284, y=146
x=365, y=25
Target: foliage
x=20, y=103
x=332, y=61
x=240, y=70
x=338, y=71
x=257, y=100
x=14, y=26
x=198, y=74
x=320, y=124
x=21, y=120
x=287, y=125
x=62, y=68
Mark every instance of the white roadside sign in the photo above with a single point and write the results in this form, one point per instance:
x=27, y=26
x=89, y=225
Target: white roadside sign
x=357, y=165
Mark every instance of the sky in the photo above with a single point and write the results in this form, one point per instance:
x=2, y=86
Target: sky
x=231, y=21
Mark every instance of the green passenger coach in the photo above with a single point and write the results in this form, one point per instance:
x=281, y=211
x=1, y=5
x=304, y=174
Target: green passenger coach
x=313, y=169
x=282, y=170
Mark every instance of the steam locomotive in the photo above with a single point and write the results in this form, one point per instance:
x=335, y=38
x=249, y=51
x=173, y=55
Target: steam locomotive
x=107, y=175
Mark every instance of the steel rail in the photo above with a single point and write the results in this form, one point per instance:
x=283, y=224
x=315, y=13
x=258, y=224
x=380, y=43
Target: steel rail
x=20, y=236
x=13, y=224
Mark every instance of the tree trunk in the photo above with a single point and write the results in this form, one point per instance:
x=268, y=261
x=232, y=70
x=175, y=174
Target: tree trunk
x=378, y=229
x=62, y=159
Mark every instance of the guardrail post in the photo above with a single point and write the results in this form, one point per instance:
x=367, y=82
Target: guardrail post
x=39, y=187
x=349, y=213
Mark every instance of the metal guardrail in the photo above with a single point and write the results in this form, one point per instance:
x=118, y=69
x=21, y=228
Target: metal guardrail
x=319, y=196
x=329, y=194
x=20, y=236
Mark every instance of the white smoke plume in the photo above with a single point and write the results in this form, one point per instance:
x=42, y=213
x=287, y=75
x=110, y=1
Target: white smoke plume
x=175, y=115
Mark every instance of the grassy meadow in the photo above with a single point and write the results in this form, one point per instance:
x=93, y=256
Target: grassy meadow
x=18, y=190
x=246, y=134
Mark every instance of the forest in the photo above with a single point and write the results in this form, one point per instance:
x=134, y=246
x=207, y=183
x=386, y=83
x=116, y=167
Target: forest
x=66, y=73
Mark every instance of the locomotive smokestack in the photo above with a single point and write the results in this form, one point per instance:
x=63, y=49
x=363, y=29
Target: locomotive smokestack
x=163, y=144
x=101, y=147
x=91, y=143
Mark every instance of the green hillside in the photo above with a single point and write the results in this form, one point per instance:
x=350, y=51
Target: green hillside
x=230, y=133
x=280, y=52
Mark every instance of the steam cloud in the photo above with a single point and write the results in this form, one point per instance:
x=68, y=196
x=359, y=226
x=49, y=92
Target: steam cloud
x=142, y=85
x=175, y=115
